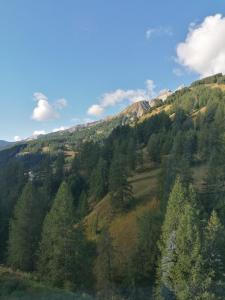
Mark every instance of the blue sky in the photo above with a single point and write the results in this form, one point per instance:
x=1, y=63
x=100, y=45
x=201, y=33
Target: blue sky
x=71, y=53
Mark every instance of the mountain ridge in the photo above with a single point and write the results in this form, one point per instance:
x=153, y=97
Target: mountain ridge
x=4, y=144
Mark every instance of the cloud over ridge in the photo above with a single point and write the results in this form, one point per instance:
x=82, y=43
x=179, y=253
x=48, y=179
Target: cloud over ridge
x=118, y=96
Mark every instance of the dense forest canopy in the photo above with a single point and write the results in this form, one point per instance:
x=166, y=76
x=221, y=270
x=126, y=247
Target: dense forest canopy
x=136, y=214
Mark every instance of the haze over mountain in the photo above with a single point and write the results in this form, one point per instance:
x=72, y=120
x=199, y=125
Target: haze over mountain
x=4, y=144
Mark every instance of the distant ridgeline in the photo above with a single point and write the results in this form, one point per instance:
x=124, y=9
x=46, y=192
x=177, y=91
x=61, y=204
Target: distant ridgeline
x=217, y=78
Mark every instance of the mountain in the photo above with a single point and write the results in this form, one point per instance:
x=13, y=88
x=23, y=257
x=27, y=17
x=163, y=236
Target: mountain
x=91, y=131
x=127, y=183
x=4, y=144
x=136, y=109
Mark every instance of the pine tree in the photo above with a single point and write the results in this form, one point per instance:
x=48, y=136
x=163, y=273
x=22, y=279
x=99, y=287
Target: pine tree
x=214, y=258
x=175, y=209
x=25, y=228
x=131, y=154
x=190, y=145
x=214, y=193
x=187, y=275
x=12, y=181
x=64, y=258
x=182, y=272
x=120, y=189
x=59, y=171
x=77, y=185
x=178, y=144
x=99, y=180
x=83, y=206
x=154, y=147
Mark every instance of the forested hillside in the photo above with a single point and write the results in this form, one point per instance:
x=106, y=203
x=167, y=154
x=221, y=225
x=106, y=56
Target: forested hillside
x=137, y=213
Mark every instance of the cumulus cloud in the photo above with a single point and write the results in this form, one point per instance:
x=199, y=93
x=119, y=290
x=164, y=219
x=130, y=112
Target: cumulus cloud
x=203, y=50
x=95, y=110
x=158, y=31
x=40, y=96
x=38, y=132
x=44, y=110
x=119, y=96
x=17, y=138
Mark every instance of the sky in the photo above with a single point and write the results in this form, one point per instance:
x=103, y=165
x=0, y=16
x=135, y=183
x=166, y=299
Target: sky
x=64, y=62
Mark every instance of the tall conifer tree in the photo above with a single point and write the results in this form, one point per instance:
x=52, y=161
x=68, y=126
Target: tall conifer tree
x=99, y=180
x=214, y=258
x=175, y=210
x=120, y=188
x=25, y=228
x=65, y=256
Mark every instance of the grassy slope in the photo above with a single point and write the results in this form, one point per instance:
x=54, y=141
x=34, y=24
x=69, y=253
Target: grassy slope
x=123, y=227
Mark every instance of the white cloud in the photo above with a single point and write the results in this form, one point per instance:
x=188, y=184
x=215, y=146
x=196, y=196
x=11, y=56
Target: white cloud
x=150, y=88
x=44, y=110
x=119, y=96
x=95, y=110
x=17, y=138
x=203, y=50
x=158, y=31
x=40, y=96
x=38, y=132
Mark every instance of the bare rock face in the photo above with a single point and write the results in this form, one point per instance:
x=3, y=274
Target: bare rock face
x=155, y=102
x=136, y=109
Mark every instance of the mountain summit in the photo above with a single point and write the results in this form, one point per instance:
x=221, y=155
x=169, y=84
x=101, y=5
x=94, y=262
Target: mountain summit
x=139, y=108
x=136, y=109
